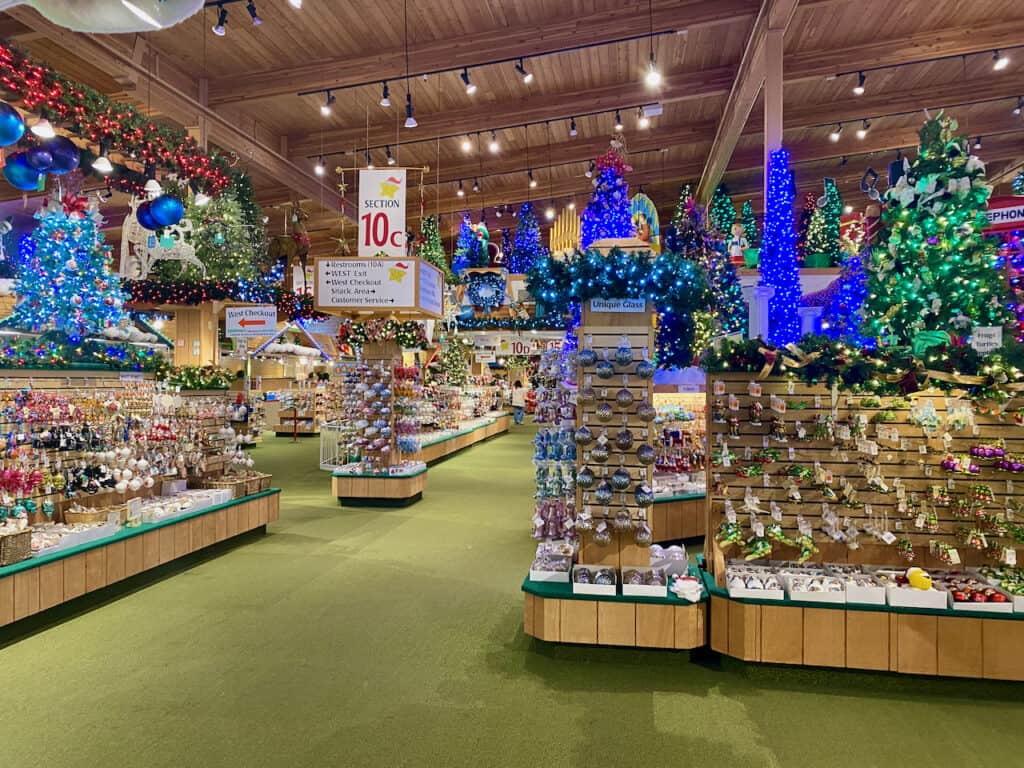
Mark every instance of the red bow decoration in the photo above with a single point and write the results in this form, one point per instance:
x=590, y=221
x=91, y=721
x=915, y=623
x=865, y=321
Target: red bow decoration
x=74, y=205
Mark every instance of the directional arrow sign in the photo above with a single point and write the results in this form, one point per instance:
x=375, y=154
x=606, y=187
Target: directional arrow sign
x=250, y=322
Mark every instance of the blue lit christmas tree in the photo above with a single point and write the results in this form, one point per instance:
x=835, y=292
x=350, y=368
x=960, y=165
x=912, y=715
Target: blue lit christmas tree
x=64, y=275
x=778, y=252
x=608, y=213
x=469, y=250
x=527, y=246
x=842, y=316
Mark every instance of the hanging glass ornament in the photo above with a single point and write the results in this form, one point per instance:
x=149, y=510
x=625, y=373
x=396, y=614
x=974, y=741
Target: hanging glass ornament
x=624, y=352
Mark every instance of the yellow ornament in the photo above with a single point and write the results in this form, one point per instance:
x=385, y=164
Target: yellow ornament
x=918, y=578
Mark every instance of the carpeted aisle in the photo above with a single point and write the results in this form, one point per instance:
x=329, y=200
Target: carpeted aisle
x=393, y=638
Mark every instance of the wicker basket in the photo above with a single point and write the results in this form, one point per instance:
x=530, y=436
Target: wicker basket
x=237, y=485
x=96, y=515
x=264, y=482
x=252, y=483
x=15, y=547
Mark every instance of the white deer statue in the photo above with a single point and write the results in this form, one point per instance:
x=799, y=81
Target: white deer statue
x=141, y=249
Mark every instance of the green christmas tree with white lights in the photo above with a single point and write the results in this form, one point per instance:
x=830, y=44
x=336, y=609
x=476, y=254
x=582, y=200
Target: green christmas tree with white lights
x=432, y=251
x=938, y=275
x=722, y=212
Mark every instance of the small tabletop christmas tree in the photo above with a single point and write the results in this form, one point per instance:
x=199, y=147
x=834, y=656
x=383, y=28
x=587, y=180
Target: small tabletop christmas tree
x=64, y=273
x=608, y=212
x=938, y=276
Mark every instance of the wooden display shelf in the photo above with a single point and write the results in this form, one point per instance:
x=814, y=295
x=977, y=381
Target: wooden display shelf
x=446, y=446
x=921, y=642
x=679, y=517
x=40, y=583
x=624, y=621
x=368, y=491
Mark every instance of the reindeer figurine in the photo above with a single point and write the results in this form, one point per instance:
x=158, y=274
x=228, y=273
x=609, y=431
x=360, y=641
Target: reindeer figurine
x=141, y=249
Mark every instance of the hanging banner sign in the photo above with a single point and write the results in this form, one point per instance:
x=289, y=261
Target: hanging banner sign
x=1005, y=213
x=645, y=221
x=383, y=285
x=250, y=322
x=382, y=213
x=618, y=305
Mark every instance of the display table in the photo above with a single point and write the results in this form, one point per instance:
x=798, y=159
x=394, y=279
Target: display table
x=553, y=613
x=42, y=582
x=908, y=640
x=679, y=517
x=440, y=445
x=359, y=490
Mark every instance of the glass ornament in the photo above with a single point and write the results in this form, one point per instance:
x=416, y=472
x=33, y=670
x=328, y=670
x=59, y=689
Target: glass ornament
x=643, y=495
x=603, y=492
x=599, y=452
x=583, y=436
x=624, y=399
x=585, y=479
x=604, y=413
x=646, y=412
x=620, y=479
x=623, y=439
x=642, y=535
x=624, y=352
x=646, y=454
x=623, y=519
x=605, y=577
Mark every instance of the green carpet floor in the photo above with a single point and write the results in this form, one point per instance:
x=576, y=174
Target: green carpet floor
x=351, y=637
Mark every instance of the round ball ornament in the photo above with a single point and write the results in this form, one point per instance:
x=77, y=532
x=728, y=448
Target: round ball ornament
x=144, y=215
x=604, y=413
x=587, y=396
x=605, y=370
x=645, y=369
x=66, y=156
x=603, y=493
x=39, y=157
x=646, y=412
x=12, y=127
x=583, y=436
x=620, y=479
x=643, y=495
x=599, y=452
x=646, y=454
x=166, y=210
x=624, y=399
x=20, y=174
x=623, y=439
x=585, y=478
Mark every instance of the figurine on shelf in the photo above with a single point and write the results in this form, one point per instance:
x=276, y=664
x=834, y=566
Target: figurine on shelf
x=779, y=429
x=755, y=409
x=793, y=492
x=734, y=427
x=718, y=411
x=822, y=427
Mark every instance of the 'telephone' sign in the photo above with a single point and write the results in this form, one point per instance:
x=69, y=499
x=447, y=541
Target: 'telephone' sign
x=382, y=213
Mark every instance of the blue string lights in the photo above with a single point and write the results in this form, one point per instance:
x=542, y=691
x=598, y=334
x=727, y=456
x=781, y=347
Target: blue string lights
x=778, y=253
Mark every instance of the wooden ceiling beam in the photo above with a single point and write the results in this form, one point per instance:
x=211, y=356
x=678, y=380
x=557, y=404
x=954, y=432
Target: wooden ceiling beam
x=500, y=44
x=176, y=96
x=774, y=17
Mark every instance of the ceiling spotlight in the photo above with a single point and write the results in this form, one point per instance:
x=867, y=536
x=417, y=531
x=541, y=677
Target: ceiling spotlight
x=388, y=155
x=102, y=163
x=297, y=4
x=493, y=145
x=467, y=145
x=476, y=185
x=653, y=76
x=618, y=121
x=836, y=132
x=1020, y=105
x=320, y=169
x=325, y=108
x=848, y=209
x=863, y=130
x=527, y=76
x=251, y=8
x=549, y=213
x=43, y=129
x=533, y=181
x=590, y=170
x=470, y=87
x=460, y=191
x=202, y=199
x=858, y=89
x=369, y=161
x=572, y=126
x=385, y=96
x=642, y=120
x=220, y=28
x=498, y=211
x=999, y=61
x=410, y=121
x=572, y=205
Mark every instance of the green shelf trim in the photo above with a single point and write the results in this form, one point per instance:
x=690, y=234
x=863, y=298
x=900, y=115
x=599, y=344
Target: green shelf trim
x=716, y=591
x=417, y=473
x=125, y=533
x=560, y=590
x=680, y=497
x=460, y=433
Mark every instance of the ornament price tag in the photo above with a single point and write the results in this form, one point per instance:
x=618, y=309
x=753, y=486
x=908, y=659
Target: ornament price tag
x=754, y=389
x=889, y=537
x=719, y=387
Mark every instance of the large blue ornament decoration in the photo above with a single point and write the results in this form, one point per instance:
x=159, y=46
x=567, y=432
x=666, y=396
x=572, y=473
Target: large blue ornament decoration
x=145, y=217
x=65, y=155
x=166, y=210
x=12, y=127
x=39, y=157
x=20, y=174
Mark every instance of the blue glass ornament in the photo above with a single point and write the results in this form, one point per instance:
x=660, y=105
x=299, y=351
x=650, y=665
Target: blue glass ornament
x=12, y=127
x=145, y=216
x=166, y=210
x=39, y=157
x=20, y=174
x=65, y=155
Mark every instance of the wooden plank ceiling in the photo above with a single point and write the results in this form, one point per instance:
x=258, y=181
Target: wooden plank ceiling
x=587, y=58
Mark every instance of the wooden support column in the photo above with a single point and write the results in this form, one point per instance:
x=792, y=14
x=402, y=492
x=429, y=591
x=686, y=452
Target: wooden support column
x=195, y=335
x=773, y=39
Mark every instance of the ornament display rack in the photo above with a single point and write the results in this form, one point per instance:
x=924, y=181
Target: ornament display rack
x=881, y=637
x=552, y=611
x=679, y=513
x=50, y=578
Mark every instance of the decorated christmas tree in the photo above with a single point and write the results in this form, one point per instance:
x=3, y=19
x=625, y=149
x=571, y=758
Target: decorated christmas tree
x=699, y=245
x=852, y=236
x=608, y=213
x=527, y=246
x=64, y=274
x=506, y=244
x=778, y=253
x=803, y=225
x=469, y=252
x=432, y=251
x=721, y=212
x=817, y=235
x=938, y=277
x=842, y=317
x=832, y=210
x=749, y=221
x=682, y=204
x=452, y=365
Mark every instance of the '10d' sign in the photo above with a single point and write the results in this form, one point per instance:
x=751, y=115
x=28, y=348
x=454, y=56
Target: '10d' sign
x=618, y=305
x=382, y=213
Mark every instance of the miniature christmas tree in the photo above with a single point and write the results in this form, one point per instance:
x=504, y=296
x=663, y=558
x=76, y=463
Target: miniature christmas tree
x=817, y=236
x=804, y=224
x=469, y=252
x=832, y=210
x=64, y=274
x=608, y=212
x=681, y=213
x=721, y=212
x=527, y=246
x=778, y=253
x=939, y=274
x=749, y=221
x=432, y=251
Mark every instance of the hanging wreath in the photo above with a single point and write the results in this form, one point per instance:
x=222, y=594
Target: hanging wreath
x=485, y=290
x=409, y=334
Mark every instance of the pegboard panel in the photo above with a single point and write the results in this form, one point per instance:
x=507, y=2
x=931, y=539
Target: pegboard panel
x=876, y=462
